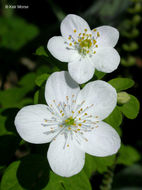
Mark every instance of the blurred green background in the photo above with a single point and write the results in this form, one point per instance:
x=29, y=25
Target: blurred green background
x=25, y=64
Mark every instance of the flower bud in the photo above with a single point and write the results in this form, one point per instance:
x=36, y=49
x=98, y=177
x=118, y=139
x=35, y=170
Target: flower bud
x=122, y=97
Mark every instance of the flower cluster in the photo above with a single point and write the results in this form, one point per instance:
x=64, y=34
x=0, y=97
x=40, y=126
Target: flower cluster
x=73, y=118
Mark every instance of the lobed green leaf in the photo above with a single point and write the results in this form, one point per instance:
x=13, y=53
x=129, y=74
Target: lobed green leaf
x=121, y=83
x=128, y=155
x=131, y=108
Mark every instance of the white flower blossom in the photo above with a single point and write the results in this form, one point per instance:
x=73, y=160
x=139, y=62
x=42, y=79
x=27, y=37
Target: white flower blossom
x=72, y=121
x=85, y=49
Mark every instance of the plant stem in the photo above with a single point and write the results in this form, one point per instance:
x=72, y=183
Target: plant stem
x=108, y=177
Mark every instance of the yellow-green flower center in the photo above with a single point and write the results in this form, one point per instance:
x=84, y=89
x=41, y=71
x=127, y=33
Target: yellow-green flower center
x=86, y=43
x=69, y=121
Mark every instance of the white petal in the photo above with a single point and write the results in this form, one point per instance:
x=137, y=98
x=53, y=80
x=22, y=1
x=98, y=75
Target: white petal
x=102, y=141
x=29, y=122
x=57, y=47
x=65, y=161
x=59, y=86
x=108, y=36
x=82, y=70
x=73, y=22
x=106, y=59
x=101, y=96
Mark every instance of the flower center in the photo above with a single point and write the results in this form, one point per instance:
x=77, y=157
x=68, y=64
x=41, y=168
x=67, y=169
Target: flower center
x=69, y=121
x=86, y=43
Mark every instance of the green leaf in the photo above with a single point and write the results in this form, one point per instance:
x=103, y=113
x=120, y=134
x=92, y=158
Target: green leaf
x=36, y=96
x=41, y=51
x=99, y=74
x=41, y=79
x=39, y=96
x=131, y=108
x=99, y=164
x=13, y=97
x=115, y=120
x=27, y=81
x=9, y=180
x=121, y=83
x=77, y=182
x=32, y=172
x=128, y=155
x=129, y=61
x=20, y=33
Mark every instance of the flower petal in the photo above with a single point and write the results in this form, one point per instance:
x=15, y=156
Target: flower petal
x=82, y=70
x=64, y=160
x=108, y=36
x=61, y=88
x=60, y=50
x=29, y=122
x=100, y=96
x=102, y=141
x=73, y=22
x=106, y=59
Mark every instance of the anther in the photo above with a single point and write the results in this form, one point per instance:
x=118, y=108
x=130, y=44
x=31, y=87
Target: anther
x=94, y=41
x=98, y=34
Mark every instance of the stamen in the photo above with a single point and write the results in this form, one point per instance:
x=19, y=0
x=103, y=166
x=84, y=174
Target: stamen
x=98, y=34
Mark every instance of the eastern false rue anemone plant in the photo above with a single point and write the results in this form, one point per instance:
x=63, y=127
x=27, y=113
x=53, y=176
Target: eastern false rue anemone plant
x=72, y=122
x=85, y=49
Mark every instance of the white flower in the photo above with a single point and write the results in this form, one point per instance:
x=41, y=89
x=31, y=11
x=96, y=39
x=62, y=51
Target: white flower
x=85, y=49
x=72, y=121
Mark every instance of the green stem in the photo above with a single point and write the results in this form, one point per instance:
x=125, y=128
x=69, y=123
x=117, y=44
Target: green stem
x=108, y=177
